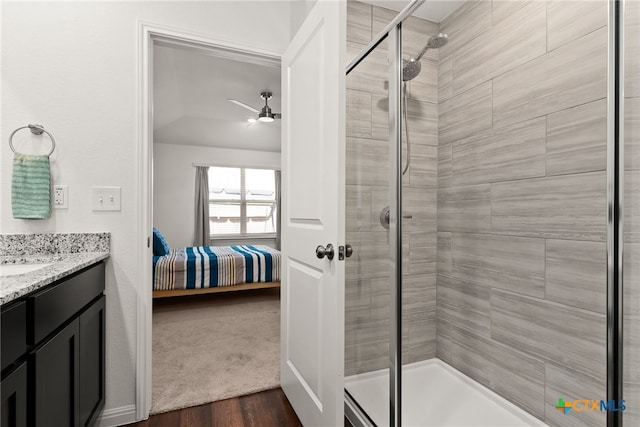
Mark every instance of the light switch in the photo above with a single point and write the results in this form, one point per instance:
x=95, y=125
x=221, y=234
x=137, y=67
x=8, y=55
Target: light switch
x=105, y=198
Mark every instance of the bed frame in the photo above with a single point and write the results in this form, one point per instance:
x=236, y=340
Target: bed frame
x=216, y=289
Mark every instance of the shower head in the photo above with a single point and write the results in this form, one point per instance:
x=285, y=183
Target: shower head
x=437, y=41
x=412, y=67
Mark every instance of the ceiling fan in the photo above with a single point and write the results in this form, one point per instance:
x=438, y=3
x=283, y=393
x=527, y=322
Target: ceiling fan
x=264, y=115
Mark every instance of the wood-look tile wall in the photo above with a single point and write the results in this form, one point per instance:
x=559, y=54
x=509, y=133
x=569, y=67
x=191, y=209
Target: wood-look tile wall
x=368, y=270
x=521, y=286
x=631, y=331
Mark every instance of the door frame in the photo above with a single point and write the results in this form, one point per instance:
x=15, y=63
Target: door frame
x=148, y=34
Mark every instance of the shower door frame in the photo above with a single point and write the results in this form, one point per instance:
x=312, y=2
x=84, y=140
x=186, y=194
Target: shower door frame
x=615, y=206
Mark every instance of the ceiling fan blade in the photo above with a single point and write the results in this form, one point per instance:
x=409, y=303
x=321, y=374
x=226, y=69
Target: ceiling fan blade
x=277, y=115
x=243, y=105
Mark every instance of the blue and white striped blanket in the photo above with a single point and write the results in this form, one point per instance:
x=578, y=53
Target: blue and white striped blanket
x=210, y=266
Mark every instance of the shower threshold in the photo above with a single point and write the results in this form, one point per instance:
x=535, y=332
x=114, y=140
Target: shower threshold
x=436, y=394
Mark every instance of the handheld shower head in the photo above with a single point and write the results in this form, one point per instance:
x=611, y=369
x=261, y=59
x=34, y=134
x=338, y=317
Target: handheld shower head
x=412, y=67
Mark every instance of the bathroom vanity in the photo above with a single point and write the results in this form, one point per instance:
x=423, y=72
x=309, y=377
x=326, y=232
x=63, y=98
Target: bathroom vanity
x=53, y=342
x=53, y=353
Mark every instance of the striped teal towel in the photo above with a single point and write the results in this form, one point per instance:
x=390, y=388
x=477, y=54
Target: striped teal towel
x=31, y=187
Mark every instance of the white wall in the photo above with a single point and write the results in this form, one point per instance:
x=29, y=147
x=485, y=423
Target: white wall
x=299, y=11
x=72, y=67
x=174, y=183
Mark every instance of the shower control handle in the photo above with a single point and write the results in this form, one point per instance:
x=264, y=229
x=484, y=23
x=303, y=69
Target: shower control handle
x=322, y=252
x=385, y=217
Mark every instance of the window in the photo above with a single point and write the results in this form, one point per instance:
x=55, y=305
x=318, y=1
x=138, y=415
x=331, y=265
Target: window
x=242, y=202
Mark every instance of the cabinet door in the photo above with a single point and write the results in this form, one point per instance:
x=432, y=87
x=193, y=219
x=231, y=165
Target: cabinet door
x=56, y=379
x=92, y=362
x=14, y=398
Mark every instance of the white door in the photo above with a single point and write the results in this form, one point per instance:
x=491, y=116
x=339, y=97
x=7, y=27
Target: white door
x=312, y=322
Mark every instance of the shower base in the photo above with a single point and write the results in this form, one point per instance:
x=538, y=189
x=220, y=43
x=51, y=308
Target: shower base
x=435, y=394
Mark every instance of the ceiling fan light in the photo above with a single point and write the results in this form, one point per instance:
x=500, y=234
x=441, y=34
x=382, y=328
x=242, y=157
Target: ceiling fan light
x=265, y=114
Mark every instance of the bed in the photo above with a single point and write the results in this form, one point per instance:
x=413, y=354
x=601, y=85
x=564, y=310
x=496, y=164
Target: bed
x=208, y=269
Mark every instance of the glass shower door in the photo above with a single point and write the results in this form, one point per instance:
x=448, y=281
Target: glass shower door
x=370, y=268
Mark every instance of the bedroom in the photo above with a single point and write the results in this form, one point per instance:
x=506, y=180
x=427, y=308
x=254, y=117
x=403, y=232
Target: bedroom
x=197, y=131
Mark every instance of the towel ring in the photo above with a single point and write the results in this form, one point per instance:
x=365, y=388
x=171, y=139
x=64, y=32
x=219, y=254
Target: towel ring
x=36, y=130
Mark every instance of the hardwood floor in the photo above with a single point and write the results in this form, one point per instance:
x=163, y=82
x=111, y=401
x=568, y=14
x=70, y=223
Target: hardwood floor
x=264, y=409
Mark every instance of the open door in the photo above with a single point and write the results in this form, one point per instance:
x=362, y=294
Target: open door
x=312, y=294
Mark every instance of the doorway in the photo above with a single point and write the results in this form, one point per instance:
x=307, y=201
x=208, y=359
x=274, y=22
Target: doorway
x=153, y=39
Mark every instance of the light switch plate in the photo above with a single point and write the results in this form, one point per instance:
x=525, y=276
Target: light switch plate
x=105, y=198
x=60, y=197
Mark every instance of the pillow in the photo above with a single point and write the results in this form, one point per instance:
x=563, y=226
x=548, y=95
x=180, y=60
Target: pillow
x=160, y=245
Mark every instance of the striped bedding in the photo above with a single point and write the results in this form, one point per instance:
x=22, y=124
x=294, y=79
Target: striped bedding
x=211, y=266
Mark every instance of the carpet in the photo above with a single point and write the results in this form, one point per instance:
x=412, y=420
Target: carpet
x=213, y=347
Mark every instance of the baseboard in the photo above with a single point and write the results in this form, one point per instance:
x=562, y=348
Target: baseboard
x=117, y=416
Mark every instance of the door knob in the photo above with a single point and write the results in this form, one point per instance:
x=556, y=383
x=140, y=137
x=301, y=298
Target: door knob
x=321, y=251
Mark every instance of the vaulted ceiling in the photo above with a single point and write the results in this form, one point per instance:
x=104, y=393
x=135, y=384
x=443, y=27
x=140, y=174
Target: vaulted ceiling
x=190, y=107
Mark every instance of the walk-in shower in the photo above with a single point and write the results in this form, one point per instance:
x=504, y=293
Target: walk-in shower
x=485, y=181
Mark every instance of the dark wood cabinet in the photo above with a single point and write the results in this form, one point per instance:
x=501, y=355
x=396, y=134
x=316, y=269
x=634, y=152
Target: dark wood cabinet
x=57, y=377
x=54, y=305
x=14, y=398
x=92, y=342
x=14, y=332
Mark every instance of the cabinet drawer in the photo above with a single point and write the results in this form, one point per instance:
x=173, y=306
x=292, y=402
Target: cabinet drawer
x=13, y=332
x=55, y=305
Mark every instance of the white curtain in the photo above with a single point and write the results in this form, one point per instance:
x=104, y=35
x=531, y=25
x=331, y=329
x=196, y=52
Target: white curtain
x=201, y=230
x=278, y=211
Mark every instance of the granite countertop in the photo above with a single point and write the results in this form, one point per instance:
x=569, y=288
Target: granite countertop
x=13, y=287
x=67, y=253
